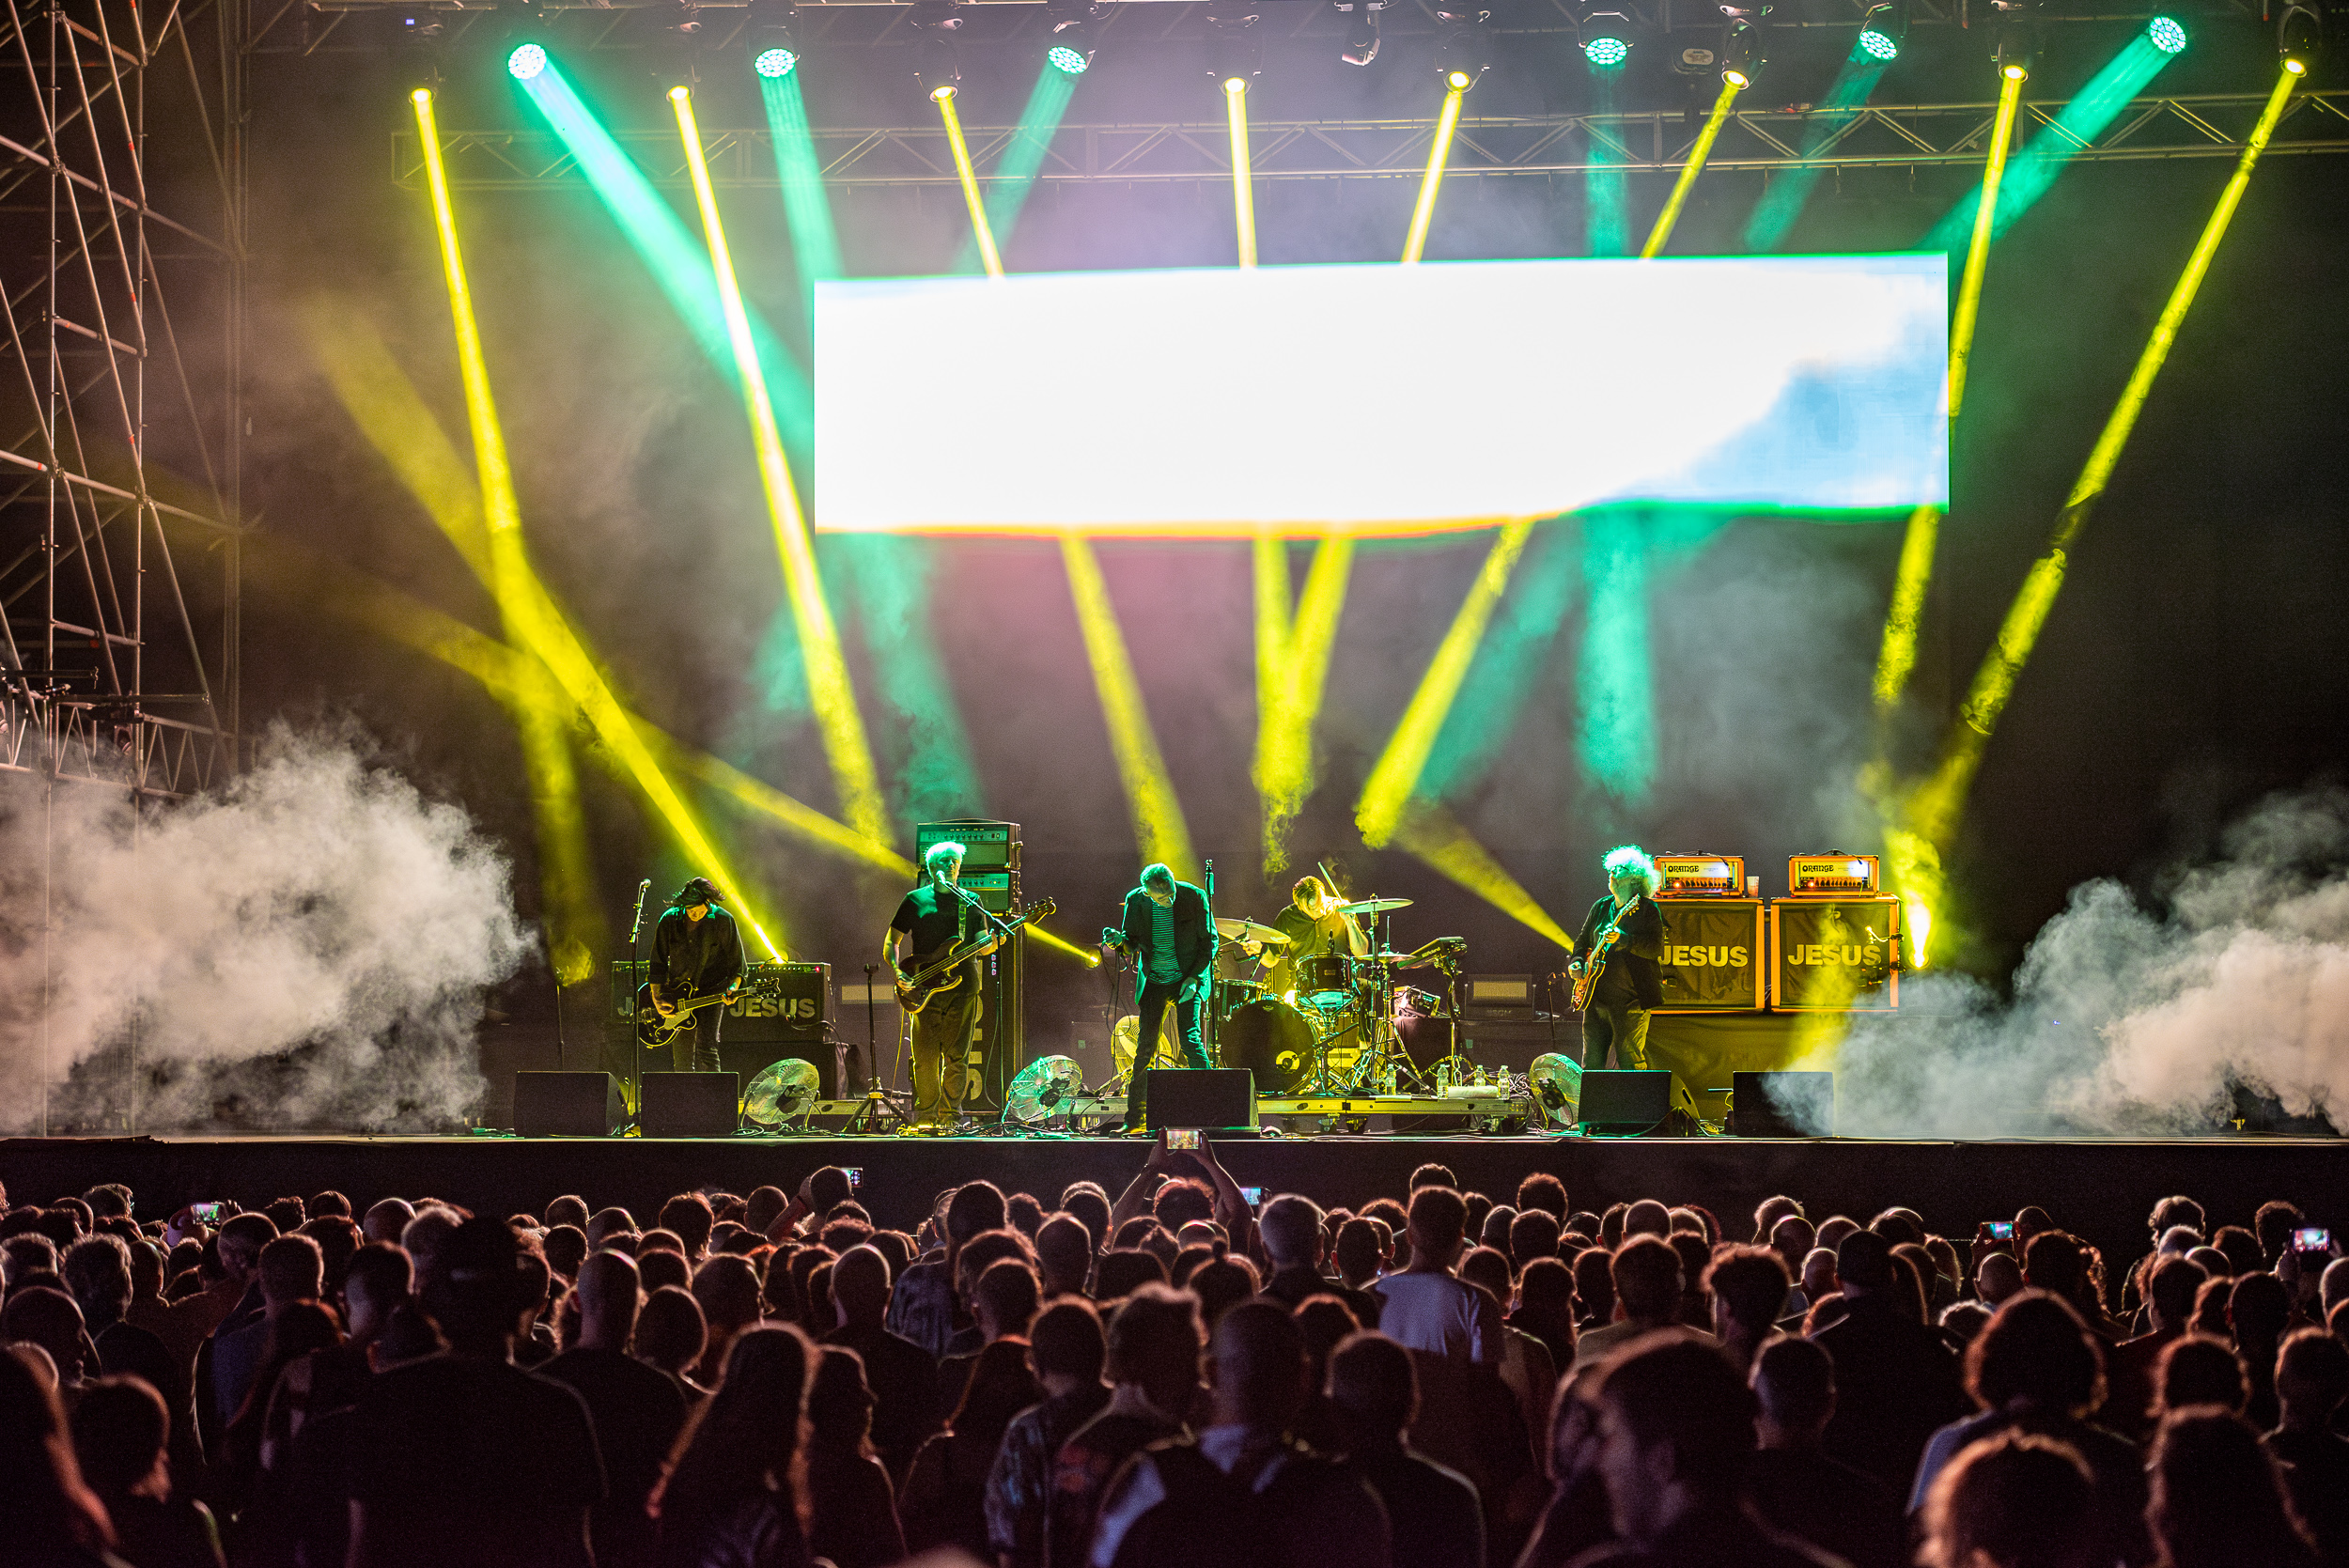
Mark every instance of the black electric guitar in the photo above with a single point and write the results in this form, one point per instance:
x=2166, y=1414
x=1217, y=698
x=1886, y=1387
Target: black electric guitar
x=654, y=1032
x=942, y=970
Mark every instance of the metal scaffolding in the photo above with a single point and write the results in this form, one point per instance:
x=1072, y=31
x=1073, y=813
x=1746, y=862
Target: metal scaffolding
x=1911, y=135
x=121, y=424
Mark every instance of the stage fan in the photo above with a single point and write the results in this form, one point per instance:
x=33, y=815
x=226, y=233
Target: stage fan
x=781, y=1091
x=1557, y=1084
x=1043, y=1089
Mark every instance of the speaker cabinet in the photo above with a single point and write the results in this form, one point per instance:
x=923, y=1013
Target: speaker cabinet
x=1626, y=1101
x=568, y=1104
x=1215, y=1099
x=1781, y=1105
x=692, y=1105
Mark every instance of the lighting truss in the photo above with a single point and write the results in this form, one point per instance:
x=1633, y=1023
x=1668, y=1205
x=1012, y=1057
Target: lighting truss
x=2209, y=125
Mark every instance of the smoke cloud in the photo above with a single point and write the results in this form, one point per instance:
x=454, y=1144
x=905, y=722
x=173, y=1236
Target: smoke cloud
x=2130, y=1018
x=308, y=948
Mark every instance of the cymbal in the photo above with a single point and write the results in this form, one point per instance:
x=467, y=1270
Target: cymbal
x=1373, y=906
x=1248, y=931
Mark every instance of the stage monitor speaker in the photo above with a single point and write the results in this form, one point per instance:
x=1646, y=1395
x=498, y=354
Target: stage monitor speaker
x=568, y=1104
x=692, y=1105
x=1626, y=1102
x=1215, y=1099
x=1781, y=1105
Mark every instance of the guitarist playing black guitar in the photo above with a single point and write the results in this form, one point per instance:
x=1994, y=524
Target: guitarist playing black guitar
x=1617, y=982
x=932, y=922
x=696, y=960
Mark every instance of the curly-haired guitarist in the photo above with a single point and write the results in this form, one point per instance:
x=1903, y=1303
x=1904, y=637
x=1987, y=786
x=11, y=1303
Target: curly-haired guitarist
x=932, y=920
x=1623, y=935
x=696, y=952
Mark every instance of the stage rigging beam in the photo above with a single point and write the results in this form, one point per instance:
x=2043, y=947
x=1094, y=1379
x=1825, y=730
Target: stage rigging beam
x=1915, y=135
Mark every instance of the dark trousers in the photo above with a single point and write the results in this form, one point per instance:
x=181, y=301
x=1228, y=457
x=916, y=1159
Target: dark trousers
x=942, y=1032
x=1155, y=997
x=1614, y=1034
x=694, y=1047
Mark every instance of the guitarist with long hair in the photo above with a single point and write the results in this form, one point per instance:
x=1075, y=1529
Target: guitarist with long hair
x=930, y=921
x=696, y=952
x=1617, y=979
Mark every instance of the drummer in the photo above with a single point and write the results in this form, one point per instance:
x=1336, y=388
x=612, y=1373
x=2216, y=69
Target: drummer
x=1313, y=925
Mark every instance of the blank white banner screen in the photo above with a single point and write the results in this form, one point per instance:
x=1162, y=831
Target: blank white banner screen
x=1379, y=398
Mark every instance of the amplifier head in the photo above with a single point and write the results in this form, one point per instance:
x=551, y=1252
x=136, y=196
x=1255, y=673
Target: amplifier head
x=1834, y=874
x=1702, y=875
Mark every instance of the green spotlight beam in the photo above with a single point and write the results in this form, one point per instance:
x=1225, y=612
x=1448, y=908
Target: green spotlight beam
x=679, y=267
x=1606, y=211
x=814, y=239
x=1935, y=808
x=1507, y=668
x=1614, y=689
x=1023, y=160
x=888, y=576
x=2031, y=172
x=1783, y=199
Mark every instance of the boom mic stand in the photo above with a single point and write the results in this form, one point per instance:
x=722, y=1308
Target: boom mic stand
x=636, y=1035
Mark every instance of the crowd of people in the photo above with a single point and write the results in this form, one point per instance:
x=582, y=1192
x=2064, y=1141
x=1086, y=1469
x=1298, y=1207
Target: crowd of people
x=1165, y=1377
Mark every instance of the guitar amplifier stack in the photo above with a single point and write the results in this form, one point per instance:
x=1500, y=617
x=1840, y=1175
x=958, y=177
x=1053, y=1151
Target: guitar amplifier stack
x=1713, y=951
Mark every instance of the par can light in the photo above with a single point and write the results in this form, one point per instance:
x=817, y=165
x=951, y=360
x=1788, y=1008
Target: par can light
x=1606, y=51
x=2167, y=34
x=527, y=62
x=1067, y=61
x=771, y=63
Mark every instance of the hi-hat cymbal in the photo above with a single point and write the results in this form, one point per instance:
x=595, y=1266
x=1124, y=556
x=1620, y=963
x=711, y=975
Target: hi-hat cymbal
x=1233, y=929
x=1373, y=906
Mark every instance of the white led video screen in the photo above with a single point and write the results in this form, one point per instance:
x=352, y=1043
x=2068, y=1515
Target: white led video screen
x=1378, y=398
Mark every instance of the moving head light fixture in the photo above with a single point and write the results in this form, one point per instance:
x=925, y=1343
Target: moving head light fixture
x=1463, y=45
x=1070, y=31
x=1235, y=48
x=1362, y=29
x=2017, y=36
x=1745, y=43
x=2300, y=36
x=1883, y=31
x=935, y=24
x=1604, y=27
x=768, y=39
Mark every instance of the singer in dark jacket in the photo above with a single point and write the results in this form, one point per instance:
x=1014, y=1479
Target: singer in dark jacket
x=1169, y=934
x=1630, y=983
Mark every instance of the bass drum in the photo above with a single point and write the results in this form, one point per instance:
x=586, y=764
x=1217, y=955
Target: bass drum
x=1272, y=1040
x=1126, y=1038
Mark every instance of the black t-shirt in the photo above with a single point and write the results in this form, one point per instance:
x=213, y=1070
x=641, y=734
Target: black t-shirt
x=637, y=1412
x=935, y=919
x=459, y=1461
x=695, y=957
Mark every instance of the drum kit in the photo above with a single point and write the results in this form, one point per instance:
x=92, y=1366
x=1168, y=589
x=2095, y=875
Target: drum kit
x=1347, y=1026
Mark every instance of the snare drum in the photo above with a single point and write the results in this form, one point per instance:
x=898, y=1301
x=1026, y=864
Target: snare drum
x=1325, y=973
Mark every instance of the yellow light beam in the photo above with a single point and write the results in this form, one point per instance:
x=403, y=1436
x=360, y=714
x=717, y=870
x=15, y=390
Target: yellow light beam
x=501, y=512
x=1447, y=121
x=988, y=256
x=1431, y=834
x=1978, y=249
x=1935, y=807
x=1292, y=672
x=830, y=690
x=1387, y=791
x=1159, y=831
x=1688, y=172
x=1243, y=185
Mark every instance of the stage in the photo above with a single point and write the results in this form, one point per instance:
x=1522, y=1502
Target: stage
x=2100, y=1188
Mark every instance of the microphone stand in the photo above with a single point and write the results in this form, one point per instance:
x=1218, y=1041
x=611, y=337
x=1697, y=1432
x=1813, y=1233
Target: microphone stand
x=635, y=1034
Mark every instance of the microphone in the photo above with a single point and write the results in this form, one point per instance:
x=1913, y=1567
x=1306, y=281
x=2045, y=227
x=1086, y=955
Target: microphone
x=637, y=924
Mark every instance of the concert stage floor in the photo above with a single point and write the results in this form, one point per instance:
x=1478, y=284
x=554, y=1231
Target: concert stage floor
x=2100, y=1188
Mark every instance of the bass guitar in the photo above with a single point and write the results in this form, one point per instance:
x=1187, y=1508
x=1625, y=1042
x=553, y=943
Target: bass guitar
x=1587, y=970
x=941, y=971
x=654, y=1032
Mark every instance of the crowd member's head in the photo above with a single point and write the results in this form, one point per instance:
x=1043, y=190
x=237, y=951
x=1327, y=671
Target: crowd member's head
x=1090, y=1204
x=1595, y=1284
x=1004, y=1299
x=688, y=1218
x=97, y=1269
x=2210, y=1306
x=741, y=1441
x=2036, y=1354
x=1533, y=1234
x=2214, y=1263
x=2241, y=1247
x=606, y=1224
x=1327, y=1323
x=2259, y=1308
x=1749, y=1287
x=286, y=1214
x=1819, y=1279
x=1792, y=1238
x=1063, y=1255
x=2011, y=1501
x=1489, y=1270
x=1648, y=1218
x=1769, y=1212
x=478, y=1292
x=1696, y=1308
x=26, y=1257
x=2333, y=1288
x=840, y=1403
x=1290, y=1229
x=425, y=1237
x=1256, y=1366
x=608, y=1301
x=1901, y=1227
x=1387, y=1212
x=1222, y=1283
x=975, y=1208
x=1494, y=1232
x=1646, y=1274
x=2217, y=1499
x=2311, y=1379
x=241, y=1238
x=2171, y=1286
x=728, y=1288
x=1438, y=1225
x=1360, y=1252
x=2170, y=1213
x=564, y=1245
x=2198, y=1369
x=1025, y=1214
x=45, y=1316
x=571, y=1209
x=386, y=1219
x=1154, y=1345
x=1546, y=1305
x=860, y=1287
x=291, y=1269
x=1675, y=1426
x=110, y=1200
x=1182, y=1201
x=1834, y=1229
x=121, y=1433
x=1118, y=1274
x=1433, y=1174
x=1065, y=1346
x=1375, y=1390
x=1793, y=1389
x=670, y=1333
x=1863, y=1263
x=2274, y=1224
x=52, y=1515
x=1610, y=1229
x=1544, y=1191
